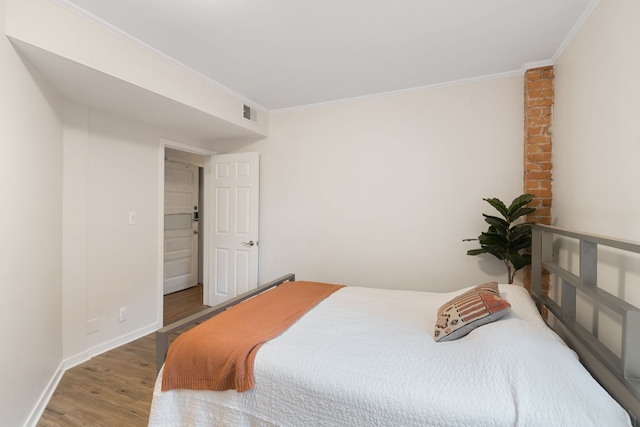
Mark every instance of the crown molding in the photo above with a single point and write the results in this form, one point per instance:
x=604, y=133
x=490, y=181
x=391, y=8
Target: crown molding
x=574, y=30
x=84, y=14
x=67, y=4
x=403, y=91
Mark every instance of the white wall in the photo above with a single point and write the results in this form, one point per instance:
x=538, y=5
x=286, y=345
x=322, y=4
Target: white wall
x=46, y=25
x=112, y=166
x=122, y=258
x=596, y=152
x=31, y=237
x=70, y=176
x=596, y=126
x=75, y=217
x=597, y=139
x=381, y=192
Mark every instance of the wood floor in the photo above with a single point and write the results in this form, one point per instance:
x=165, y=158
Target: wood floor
x=182, y=304
x=115, y=388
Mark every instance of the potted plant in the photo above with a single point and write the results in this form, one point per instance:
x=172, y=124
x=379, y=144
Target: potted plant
x=504, y=239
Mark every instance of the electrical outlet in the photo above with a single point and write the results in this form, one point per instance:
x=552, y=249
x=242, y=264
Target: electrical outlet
x=132, y=218
x=123, y=314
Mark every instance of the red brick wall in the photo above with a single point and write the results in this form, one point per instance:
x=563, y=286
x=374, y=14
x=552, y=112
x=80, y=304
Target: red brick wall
x=538, y=144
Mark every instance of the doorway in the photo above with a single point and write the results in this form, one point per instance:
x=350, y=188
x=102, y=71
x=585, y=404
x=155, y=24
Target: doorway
x=182, y=201
x=228, y=220
x=184, y=228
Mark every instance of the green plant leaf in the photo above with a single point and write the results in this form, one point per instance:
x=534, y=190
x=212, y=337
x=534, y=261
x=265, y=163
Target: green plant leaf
x=476, y=251
x=500, y=224
x=516, y=238
x=519, y=261
x=522, y=227
x=497, y=203
x=521, y=212
x=497, y=251
x=520, y=231
x=520, y=234
x=518, y=245
x=519, y=202
x=493, y=238
x=504, y=241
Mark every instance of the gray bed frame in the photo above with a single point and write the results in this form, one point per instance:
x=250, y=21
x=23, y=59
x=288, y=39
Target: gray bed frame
x=163, y=334
x=618, y=375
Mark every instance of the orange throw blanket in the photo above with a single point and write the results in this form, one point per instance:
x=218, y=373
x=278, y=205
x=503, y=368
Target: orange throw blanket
x=219, y=353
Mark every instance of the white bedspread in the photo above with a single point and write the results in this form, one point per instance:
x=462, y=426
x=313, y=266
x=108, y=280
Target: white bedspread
x=366, y=357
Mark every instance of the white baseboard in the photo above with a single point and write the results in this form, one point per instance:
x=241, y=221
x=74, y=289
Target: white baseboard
x=110, y=345
x=79, y=358
x=37, y=411
x=122, y=340
x=72, y=361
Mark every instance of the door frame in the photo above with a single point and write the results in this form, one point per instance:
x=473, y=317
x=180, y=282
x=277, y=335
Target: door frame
x=204, y=231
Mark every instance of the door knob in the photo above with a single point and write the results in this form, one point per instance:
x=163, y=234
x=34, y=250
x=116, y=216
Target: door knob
x=249, y=243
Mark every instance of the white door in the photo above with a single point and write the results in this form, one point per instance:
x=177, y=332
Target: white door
x=234, y=231
x=180, y=226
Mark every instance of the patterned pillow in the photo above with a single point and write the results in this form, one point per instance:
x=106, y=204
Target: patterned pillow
x=467, y=311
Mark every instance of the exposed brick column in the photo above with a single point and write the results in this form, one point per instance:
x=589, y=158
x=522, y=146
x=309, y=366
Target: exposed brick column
x=538, y=144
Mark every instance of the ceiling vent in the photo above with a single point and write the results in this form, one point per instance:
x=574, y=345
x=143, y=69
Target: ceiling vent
x=249, y=113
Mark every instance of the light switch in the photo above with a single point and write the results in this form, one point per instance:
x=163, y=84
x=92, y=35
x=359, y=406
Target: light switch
x=132, y=218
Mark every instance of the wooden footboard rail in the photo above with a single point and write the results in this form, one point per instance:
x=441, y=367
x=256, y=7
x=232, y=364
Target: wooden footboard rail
x=162, y=335
x=626, y=368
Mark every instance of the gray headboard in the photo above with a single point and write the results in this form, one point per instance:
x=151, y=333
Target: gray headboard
x=618, y=371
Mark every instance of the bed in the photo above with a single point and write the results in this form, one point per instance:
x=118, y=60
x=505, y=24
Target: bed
x=367, y=356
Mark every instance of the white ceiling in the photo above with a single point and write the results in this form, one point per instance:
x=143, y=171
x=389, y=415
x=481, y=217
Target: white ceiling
x=283, y=54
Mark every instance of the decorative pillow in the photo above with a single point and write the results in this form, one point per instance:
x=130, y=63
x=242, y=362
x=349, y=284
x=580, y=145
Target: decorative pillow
x=467, y=311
